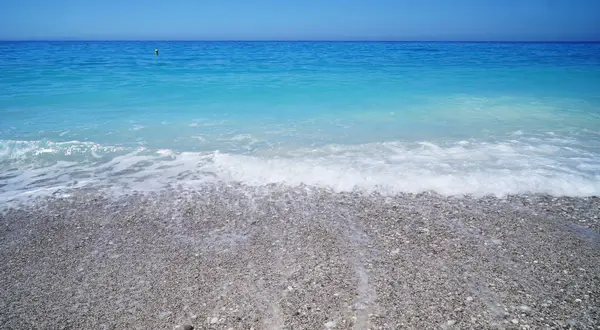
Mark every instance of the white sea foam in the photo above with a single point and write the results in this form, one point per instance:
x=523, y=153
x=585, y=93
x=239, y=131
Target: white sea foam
x=242, y=137
x=461, y=167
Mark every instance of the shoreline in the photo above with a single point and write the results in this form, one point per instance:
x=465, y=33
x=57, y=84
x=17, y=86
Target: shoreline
x=300, y=258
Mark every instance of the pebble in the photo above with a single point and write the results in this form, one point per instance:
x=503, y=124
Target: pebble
x=525, y=308
x=163, y=315
x=214, y=320
x=469, y=299
x=451, y=322
x=577, y=300
x=184, y=327
x=515, y=321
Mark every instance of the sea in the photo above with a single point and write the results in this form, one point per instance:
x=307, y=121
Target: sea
x=389, y=118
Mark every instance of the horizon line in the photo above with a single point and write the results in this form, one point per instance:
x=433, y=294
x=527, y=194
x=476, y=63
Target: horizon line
x=298, y=40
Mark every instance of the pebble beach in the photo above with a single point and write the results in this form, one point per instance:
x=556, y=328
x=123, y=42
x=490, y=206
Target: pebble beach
x=229, y=256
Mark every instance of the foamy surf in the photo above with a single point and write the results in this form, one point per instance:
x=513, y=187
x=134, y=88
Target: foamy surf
x=521, y=165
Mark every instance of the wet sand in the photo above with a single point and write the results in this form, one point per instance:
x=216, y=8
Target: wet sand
x=300, y=258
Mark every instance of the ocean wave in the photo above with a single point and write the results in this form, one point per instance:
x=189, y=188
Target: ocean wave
x=26, y=150
x=551, y=166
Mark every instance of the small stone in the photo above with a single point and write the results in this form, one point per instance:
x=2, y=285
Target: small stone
x=451, y=322
x=330, y=324
x=163, y=315
x=525, y=308
x=515, y=321
x=290, y=288
x=184, y=327
x=469, y=299
x=577, y=300
x=214, y=320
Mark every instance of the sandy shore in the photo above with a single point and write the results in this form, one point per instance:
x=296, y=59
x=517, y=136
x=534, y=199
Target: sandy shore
x=278, y=258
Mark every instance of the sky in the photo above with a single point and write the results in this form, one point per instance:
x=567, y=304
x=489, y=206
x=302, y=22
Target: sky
x=423, y=20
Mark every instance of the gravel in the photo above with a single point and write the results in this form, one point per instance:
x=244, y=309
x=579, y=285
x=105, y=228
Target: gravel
x=231, y=256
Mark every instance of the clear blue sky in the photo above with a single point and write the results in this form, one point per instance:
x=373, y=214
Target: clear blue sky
x=541, y=20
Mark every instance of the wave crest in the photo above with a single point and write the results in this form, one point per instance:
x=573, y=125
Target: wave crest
x=528, y=165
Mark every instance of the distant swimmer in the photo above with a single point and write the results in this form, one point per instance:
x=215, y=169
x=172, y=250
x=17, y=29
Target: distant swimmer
x=156, y=52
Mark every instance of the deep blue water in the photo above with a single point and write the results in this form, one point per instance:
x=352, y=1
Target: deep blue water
x=481, y=118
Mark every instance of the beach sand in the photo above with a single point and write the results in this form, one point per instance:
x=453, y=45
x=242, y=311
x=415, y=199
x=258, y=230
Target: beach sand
x=230, y=256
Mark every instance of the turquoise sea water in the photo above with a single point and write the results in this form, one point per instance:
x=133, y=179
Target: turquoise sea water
x=454, y=118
